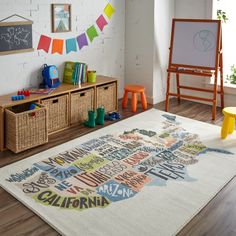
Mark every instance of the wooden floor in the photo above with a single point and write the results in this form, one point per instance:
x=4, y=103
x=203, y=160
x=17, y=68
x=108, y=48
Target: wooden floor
x=217, y=218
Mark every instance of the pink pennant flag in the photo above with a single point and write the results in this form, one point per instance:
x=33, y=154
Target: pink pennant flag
x=101, y=22
x=44, y=43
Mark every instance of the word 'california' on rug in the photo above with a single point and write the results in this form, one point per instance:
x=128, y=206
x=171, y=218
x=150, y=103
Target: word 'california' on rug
x=146, y=175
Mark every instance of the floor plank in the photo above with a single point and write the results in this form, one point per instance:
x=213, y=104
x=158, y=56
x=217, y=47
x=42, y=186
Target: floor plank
x=217, y=218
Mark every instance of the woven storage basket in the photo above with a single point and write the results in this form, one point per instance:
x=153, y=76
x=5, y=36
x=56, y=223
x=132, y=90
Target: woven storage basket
x=107, y=97
x=25, y=129
x=81, y=103
x=58, y=109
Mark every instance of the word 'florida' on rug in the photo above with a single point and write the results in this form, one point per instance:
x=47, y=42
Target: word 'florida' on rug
x=146, y=175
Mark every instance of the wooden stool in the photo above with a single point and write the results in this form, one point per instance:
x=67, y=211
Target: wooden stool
x=229, y=121
x=134, y=89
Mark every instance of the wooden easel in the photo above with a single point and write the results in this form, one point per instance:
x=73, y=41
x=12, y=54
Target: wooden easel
x=197, y=70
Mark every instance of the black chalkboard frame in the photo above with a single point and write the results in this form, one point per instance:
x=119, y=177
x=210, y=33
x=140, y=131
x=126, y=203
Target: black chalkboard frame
x=18, y=24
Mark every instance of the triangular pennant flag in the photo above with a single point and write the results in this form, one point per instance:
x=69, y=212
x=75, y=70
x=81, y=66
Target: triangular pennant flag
x=109, y=10
x=92, y=33
x=44, y=43
x=101, y=22
x=82, y=40
x=71, y=45
x=57, y=46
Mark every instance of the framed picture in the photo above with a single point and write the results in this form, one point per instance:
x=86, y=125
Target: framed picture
x=61, y=18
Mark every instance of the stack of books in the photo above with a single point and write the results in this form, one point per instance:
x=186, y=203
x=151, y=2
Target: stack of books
x=80, y=73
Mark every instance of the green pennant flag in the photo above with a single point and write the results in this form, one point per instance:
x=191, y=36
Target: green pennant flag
x=92, y=33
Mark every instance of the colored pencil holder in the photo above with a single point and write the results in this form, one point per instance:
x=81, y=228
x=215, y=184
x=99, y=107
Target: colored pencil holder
x=92, y=76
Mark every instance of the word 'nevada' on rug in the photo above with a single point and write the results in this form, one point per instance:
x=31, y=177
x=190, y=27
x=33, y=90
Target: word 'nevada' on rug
x=146, y=175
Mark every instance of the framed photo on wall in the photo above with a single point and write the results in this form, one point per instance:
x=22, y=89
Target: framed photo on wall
x=61, y=18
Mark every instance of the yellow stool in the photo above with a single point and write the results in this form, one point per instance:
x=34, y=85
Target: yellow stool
x=229, y=121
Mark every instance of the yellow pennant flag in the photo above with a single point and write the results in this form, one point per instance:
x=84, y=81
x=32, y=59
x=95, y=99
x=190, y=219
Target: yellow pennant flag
x=109, y=10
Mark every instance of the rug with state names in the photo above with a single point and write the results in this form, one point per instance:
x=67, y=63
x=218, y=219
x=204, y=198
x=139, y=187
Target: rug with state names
x=146, y=175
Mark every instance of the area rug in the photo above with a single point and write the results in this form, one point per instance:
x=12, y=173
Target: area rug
x=146, y=175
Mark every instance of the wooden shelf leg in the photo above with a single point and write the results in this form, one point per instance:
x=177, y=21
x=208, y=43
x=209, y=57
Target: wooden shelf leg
x=167, y=91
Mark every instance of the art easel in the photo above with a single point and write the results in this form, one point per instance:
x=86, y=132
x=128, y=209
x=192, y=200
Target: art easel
x=197, y=70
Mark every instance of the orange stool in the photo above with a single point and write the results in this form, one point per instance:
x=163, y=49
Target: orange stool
x=134, y=89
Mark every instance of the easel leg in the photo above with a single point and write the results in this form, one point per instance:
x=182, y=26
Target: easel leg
x=214, y=97
x=221, y=81
x=178, y=88
x=167, y=91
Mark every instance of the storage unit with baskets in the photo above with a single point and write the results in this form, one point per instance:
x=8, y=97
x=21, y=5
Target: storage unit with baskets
x=107, y=97
x=25, y=128
x=58, y=112
x=67, y=105
x=81, y=103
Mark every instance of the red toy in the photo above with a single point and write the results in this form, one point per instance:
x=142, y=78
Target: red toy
x=24, y=92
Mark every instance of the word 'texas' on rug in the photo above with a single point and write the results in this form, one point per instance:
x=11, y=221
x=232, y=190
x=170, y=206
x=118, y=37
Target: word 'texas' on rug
x=146, y=175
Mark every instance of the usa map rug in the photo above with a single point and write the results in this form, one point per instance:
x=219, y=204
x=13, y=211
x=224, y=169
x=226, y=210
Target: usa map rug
x=146, y=175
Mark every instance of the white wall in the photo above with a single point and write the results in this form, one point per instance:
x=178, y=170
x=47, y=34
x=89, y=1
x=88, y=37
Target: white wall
x=164, y=12
x=139, y=44
x=198, y=9
x=147, y=41
x=105, y=54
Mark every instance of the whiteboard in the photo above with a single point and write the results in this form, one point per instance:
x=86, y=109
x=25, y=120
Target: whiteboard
x=195, y=43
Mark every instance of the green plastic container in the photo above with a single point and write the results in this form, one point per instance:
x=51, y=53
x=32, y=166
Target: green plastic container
x=92, y=76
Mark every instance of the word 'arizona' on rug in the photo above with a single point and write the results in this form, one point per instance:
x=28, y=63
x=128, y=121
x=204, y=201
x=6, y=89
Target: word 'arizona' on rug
x=147, y=175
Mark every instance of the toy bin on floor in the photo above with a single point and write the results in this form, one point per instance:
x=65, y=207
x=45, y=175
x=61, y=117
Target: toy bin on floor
x=107, y=97
x=58, y=110
x=25, y=128
x=81, y=103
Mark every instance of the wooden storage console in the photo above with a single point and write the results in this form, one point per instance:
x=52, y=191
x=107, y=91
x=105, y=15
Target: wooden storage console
x=104, y=86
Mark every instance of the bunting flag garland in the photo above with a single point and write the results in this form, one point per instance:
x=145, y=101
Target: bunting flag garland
x=44, y=43
x=57, y=46
x=92, y=33
x=109, y=10
x=101, y=22
x=82, y=40
x=71, y=45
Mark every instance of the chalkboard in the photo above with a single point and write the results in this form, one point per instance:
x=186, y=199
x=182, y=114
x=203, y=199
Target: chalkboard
x=195, y=43
x=15, y=37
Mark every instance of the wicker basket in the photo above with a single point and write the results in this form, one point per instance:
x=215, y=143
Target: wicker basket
x=25, y=129
x=107, y=97
x=81, y=103
x=58, y=109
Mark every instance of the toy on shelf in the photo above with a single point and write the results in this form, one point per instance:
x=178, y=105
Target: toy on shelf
x=18, y=97
x=33, y=106
x=24, y=92
x=50, y=77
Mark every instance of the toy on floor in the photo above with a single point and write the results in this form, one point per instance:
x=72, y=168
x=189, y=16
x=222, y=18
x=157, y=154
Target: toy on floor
x=18, y=97
x=113, y=116
x=50, y=77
